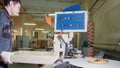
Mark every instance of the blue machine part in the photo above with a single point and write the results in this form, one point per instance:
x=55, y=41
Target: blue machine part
x=76, y=7
x=71, y=21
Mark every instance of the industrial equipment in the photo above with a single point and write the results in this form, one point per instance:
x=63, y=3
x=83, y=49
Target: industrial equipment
x=72, y=21
x=68, y=21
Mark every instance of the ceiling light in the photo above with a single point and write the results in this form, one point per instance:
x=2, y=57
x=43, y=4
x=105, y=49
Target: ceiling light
x=39, y=29
x=51, y=14
x=21, y=31
x=29, y=24
x=15, y=31
x=45, y=31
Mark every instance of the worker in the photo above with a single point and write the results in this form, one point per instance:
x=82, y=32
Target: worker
x=11, y=8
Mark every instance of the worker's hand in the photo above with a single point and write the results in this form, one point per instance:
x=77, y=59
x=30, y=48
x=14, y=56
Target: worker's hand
x=6, y=56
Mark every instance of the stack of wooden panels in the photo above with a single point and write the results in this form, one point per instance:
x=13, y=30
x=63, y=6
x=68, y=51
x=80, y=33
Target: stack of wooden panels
x=34, y=57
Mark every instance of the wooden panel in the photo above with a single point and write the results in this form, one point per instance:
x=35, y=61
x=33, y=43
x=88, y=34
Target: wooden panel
x=34, y=57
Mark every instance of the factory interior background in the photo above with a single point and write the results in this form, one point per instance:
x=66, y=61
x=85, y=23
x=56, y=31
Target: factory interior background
x=103, y=18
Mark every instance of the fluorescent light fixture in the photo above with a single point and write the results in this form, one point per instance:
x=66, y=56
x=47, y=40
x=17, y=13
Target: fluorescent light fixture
x=51, y=14
x=45, y=31
x=39, y=29
x=29, y=24
x=33, y=33
x=21, y=29
x=15, y=31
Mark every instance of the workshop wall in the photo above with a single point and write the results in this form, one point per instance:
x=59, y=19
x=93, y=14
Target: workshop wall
x=105, y=15
x=107, y=28
x=107, y=23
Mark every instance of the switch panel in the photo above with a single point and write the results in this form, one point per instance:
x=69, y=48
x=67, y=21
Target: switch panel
x=72, y=21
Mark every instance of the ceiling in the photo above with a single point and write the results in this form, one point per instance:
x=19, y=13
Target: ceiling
x=35, y=10
x=39, y=7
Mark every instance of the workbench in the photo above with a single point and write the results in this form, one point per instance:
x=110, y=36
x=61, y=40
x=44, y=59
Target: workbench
x=83, y=62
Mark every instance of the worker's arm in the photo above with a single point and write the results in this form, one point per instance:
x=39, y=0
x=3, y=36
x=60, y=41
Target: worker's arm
x=2, y=20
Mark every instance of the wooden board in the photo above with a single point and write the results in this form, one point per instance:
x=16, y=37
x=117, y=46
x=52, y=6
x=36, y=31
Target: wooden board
x=34, y=57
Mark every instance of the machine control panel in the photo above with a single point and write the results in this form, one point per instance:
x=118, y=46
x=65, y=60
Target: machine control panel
x=71, y=21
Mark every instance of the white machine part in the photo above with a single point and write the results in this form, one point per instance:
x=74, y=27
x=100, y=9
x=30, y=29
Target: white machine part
x=69, y=21
x=59, y=46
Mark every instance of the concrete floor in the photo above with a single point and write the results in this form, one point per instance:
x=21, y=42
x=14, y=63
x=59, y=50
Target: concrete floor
x=15, y=65
x=26, y=66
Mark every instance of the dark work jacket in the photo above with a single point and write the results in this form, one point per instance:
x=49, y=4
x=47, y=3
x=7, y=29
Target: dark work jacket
x=5, y=31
